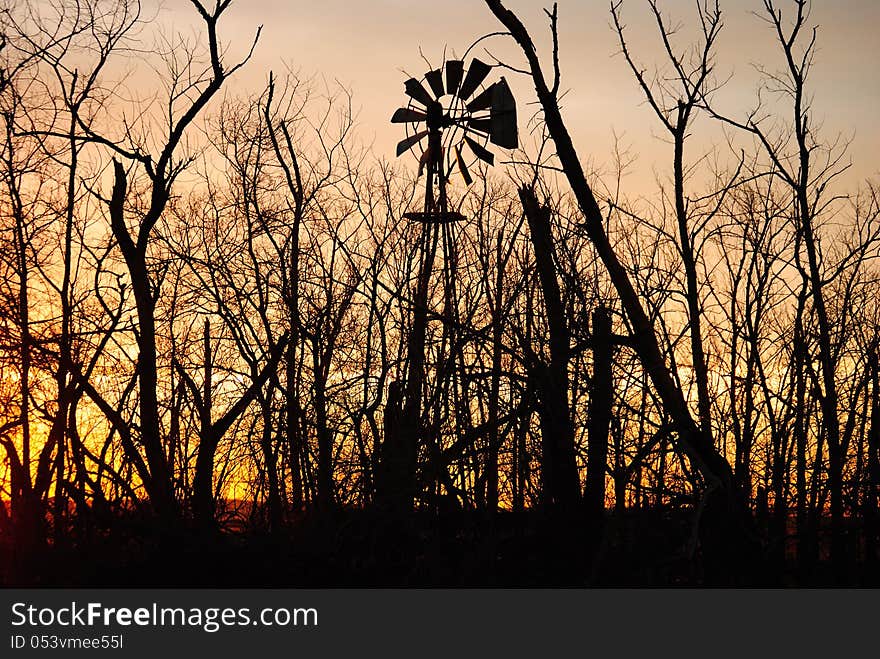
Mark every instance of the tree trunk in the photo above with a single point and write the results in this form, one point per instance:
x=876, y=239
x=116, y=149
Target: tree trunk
x=600, y=418
x=692, y=292
x=203, y=481
x=325, y=438
x=269, y=460
x=158, y=483
x=873, y=486
x=561, y=483
x=494, y=402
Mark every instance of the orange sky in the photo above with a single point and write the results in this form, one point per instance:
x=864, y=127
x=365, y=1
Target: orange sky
x=365, y=44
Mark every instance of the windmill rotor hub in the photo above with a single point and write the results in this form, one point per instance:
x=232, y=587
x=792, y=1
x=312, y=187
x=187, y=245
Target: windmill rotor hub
x=435, y=117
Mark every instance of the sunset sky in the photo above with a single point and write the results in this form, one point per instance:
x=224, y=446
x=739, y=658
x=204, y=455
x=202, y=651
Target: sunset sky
x=367, y=45
x=226, y=337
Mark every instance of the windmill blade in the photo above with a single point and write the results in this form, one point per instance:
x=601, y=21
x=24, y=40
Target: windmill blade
x=482, y=124
x=503, y=116
x=475, y=76
x=483, y=100
x=405, y=115
x=462, y=166
x=479, y=151
x=410, y=141
x=435, y=81
x=454, y=72
x=415, y=91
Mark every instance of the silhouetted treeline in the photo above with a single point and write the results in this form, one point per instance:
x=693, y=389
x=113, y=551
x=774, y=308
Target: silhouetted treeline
x=206, y=324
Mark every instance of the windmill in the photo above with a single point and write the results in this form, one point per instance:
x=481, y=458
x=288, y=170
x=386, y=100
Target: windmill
x=451, y=118
x=459, y=117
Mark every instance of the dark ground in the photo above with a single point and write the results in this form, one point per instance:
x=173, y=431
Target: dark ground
x=364, y=549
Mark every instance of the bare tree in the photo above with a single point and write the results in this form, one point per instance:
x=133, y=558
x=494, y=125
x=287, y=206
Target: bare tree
x=198, y=89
